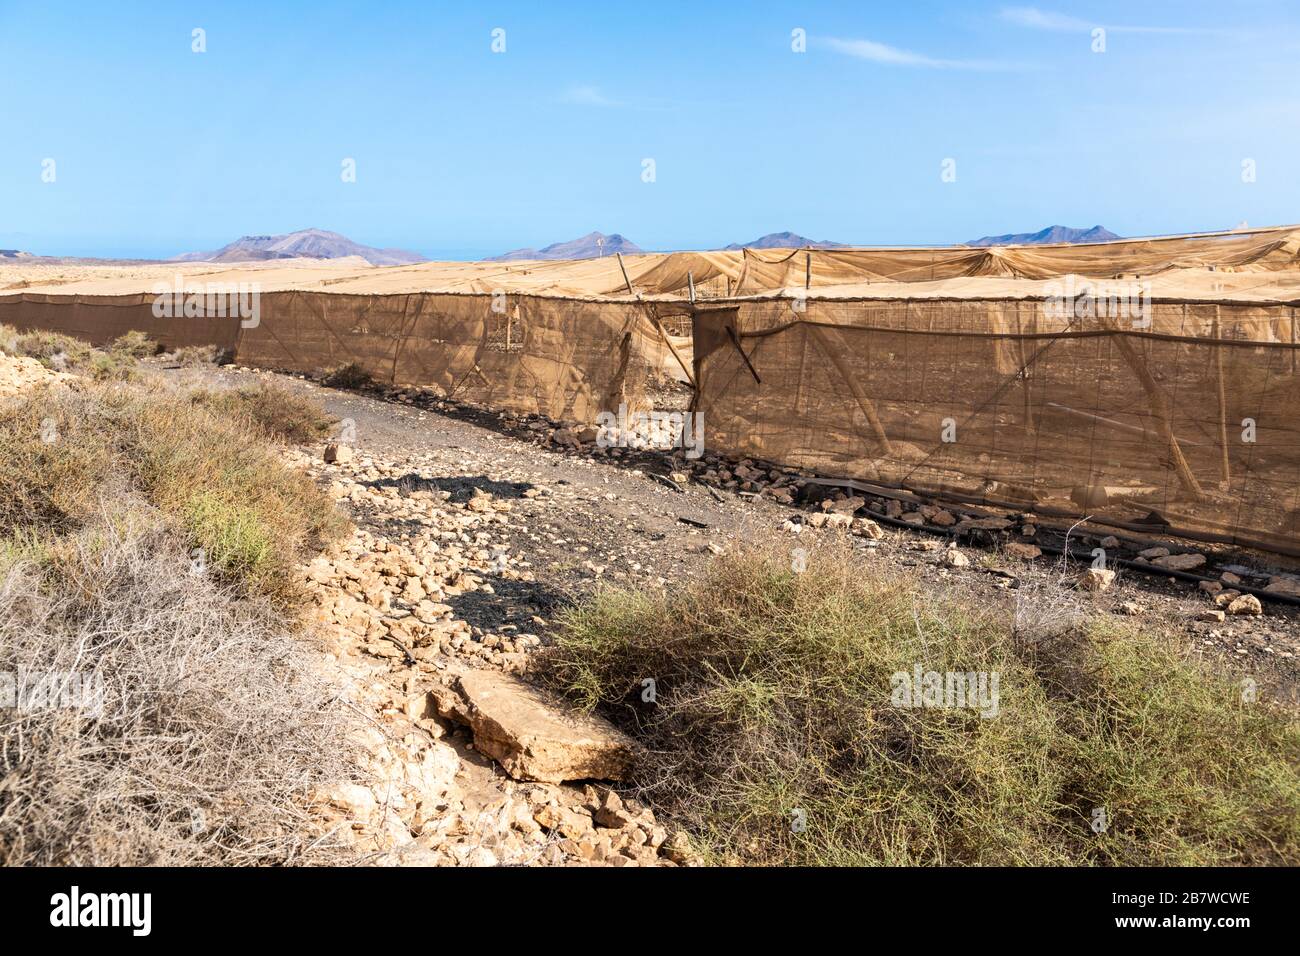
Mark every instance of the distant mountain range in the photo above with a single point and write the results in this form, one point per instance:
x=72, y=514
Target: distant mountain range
x=303, y=244
x=785, y=240
x=590, y=246
x=322, y=244
x=1048, y=235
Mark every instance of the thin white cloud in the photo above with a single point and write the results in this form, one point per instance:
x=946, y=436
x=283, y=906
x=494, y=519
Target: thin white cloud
x=893, y=56
x=1041, y=20
x=588, y=96
x=1037, y=19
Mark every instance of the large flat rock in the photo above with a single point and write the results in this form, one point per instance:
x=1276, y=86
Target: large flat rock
x=534, y=735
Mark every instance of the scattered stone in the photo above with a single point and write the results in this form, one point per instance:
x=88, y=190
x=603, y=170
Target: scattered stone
x=1152, y=553
x=1224, y=598
x=955, y=559
x=1246, y=605
x=981, y=524
x=868, y=529
x=679, y=849
x=844, y=506
x=1283, y=584
x=1022, y=549
x=1179, y=562
x=1211, y=617
x=1096, y=579
x=337, y=454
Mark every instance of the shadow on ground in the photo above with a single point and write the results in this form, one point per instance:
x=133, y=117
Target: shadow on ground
x=461, y=487
x=514, y=602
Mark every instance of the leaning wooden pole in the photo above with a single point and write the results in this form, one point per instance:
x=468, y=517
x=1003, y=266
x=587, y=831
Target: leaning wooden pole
x=658, y=326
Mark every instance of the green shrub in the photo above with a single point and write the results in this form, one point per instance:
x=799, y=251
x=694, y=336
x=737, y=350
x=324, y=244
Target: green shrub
x=52, y=349
x=135, y=344
x=775, y=703
x=273, y=410
x=113, y=367
x=62, y=450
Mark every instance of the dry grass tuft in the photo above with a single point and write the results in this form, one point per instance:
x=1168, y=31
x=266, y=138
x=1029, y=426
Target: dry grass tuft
x=135, y=344
x=191, y=355
x=274, y=411
x=202, y=729
x=63, y=353
x=147, y=554
x=214, y=476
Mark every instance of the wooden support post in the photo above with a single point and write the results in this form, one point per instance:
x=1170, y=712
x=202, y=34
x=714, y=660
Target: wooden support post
x=625, y=278
x=1223, y=405
x=807, y=271
x=663, y=334
x=690, y=284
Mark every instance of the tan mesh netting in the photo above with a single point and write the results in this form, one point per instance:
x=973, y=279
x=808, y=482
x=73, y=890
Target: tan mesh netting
x=1186, y=423
x=565, y=358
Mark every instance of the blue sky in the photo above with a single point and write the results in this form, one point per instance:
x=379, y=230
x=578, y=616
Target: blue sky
x=461, y=151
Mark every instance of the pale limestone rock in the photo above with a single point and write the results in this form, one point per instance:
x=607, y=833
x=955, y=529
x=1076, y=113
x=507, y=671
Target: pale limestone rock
x=533, y=735
x=336, y=453
x=1246, y=605
x=1096, y=579
x=1022, y=549
x=1179, y=562
x=955, y=559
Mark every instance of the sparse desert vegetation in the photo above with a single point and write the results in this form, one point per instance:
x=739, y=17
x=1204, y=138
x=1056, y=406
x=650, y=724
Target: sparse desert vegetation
x=271, y=410
x=213, y=473
x=64, y=353
x=146, y=546
x=773, y=700
x=135, y=344
x=197, y=355
x=52, y=349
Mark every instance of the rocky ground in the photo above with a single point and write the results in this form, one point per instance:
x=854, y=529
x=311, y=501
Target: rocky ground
x=472, y=527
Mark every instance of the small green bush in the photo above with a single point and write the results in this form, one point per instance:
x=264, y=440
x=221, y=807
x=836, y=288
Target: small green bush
x=275, y=411
x=775, y=703
x=135, y=344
